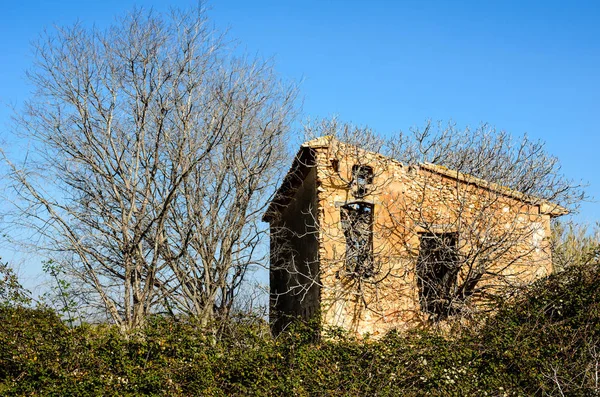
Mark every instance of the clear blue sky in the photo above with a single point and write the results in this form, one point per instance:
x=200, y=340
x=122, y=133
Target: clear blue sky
x=522, y=66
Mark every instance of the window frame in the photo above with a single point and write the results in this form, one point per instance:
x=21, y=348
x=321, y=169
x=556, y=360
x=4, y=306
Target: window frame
x=437, y=271
x=357, y=219
x=362, y=179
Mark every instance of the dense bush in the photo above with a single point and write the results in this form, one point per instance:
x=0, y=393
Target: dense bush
x=544, y=343
x=548, y=342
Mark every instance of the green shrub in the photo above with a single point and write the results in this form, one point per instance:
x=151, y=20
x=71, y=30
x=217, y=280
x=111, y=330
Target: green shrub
x=547, y=342
x=543, y=343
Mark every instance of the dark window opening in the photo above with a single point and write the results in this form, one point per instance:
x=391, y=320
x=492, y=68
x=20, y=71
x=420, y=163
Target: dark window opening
x=335, y=164
x=357, y=223
x=437, y=270
x=362, y=177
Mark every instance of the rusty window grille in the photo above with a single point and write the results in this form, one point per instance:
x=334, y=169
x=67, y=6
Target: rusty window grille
x=362, y=178
x=357, y=224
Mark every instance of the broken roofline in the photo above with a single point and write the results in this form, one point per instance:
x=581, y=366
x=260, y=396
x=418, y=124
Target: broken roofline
x=305, y=158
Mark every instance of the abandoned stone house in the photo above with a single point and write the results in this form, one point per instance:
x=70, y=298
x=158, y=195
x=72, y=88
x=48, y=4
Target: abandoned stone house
x=363, y=242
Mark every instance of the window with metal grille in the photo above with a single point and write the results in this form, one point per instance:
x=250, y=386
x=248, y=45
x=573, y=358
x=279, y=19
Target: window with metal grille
x=362, y=178
x=357, y=224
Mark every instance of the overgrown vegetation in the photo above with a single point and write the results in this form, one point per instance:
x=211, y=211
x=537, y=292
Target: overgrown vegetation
x=545, y=342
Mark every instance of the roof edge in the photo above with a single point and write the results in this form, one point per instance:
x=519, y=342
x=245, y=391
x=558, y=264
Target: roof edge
x=546, y=207
x=302, y=160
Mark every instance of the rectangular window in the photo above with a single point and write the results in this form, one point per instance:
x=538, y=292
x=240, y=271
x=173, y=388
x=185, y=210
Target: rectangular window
x=362, y=178
x=437, y=270
x=357, y=224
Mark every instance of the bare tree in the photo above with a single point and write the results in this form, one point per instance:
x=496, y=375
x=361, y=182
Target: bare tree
x=489, y=154
x=152, y=149
x=216, y=218
x=498, y=235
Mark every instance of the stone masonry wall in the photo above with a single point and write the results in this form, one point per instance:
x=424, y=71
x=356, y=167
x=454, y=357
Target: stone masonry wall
x=503, y=239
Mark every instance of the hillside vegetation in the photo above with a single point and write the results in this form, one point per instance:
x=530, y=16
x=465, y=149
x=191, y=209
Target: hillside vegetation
x=546, y=342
